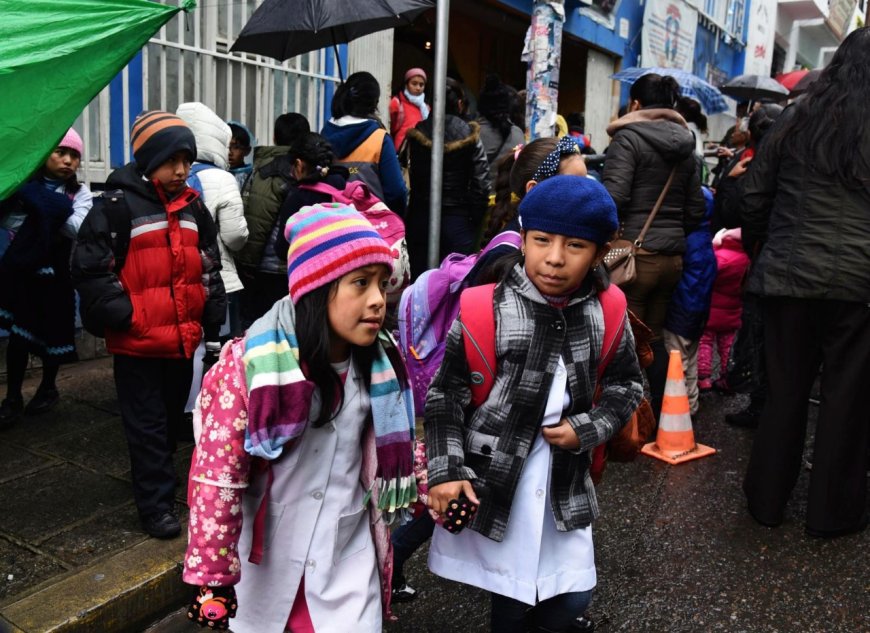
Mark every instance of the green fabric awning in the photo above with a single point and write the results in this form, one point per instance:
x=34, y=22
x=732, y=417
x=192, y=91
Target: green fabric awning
x=55, y=56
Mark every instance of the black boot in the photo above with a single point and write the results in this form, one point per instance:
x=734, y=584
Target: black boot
x=746, y=419
x=10, y=410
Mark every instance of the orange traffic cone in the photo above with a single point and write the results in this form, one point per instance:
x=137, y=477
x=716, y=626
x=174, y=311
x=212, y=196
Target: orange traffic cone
x=675, y=440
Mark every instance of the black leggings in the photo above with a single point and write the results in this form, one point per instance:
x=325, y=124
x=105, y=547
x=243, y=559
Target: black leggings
x=16, y=365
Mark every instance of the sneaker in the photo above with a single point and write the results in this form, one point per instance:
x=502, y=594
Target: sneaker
x=404, y=593
x=162, y=525
x=583, y=624
x=705, y=385
x=43, y=401
x=10, y=410
x=746, y=419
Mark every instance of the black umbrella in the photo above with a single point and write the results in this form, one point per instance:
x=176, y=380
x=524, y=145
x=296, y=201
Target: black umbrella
x=754, y=88
x=285, y=28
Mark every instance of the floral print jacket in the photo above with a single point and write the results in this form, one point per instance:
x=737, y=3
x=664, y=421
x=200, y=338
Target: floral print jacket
x=220, y=471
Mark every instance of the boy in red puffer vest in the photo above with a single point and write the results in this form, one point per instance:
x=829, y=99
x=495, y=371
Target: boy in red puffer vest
x=146, y=266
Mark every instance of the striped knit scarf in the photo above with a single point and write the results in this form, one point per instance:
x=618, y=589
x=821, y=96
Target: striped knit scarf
x=279, y=402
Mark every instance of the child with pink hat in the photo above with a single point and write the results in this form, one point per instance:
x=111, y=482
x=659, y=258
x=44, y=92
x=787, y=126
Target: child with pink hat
x=409, y=106
x=38, y=227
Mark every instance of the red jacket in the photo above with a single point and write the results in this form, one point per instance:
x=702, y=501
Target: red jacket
x=168, y=288
x=404, y=116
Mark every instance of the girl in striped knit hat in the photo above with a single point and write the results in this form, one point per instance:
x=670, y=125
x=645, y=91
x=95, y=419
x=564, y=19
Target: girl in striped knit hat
x=304, y=452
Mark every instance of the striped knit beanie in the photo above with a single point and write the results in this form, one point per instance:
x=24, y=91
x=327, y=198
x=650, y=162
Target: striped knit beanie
x=328, y=241
x=156, y=136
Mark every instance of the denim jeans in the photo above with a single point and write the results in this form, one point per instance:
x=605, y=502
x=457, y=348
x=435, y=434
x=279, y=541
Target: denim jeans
x=554, y=615
x=406, y=540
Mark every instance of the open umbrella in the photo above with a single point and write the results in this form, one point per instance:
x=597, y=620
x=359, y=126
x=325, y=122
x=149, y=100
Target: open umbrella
x=801, y=86
x=755, y=88
x=790, y=80
x=285, y=28
x=691, y=86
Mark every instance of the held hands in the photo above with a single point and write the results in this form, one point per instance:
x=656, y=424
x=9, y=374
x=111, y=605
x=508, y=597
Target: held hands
x=561, y=435
x=740, y=168
x=212, y=607
x=441, y=494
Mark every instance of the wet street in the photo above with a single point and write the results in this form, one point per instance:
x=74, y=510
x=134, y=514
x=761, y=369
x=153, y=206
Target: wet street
x=676, y=551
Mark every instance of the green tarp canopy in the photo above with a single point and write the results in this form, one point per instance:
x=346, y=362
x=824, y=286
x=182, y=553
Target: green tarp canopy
x=55, y=56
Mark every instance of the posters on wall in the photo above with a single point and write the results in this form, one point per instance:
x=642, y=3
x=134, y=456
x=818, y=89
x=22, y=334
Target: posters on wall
x=543, y=52
x=668, y=38
x=759, y=37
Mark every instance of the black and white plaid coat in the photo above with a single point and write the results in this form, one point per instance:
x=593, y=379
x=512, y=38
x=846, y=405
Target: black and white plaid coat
x=490, y=446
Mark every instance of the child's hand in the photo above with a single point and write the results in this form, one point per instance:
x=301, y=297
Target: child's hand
x=562, y=435
x=441, y=494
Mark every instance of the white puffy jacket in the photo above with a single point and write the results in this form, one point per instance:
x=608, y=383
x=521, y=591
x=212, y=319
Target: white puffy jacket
x=219, y=189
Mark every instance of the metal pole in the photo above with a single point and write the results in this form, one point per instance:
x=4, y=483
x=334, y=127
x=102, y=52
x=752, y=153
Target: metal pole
x=439, y=86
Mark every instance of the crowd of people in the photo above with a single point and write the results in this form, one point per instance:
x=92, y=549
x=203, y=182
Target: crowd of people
x=237, y=281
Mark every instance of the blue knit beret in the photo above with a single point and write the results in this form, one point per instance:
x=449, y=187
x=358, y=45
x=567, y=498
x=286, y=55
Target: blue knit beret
x=575, y=206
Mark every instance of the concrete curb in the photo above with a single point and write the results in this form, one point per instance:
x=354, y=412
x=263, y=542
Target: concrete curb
x=116, y=594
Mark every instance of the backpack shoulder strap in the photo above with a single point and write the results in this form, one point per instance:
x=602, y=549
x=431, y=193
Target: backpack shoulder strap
x=613, y=305
x=119, y=218
x=369, y=150
x=478, y=328
x=321, y=187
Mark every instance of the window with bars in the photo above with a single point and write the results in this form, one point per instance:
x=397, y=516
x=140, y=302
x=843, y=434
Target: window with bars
x=734, y=18
x=189, y=60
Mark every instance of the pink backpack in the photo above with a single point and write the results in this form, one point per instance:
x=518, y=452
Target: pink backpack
x=389, y=225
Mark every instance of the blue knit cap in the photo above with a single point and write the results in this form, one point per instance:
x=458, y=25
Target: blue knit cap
x=575, y=206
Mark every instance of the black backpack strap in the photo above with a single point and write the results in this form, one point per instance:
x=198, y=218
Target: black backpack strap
x=120, y=220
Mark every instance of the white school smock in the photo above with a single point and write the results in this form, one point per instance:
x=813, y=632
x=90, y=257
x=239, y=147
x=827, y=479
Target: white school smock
x=317, y=525
x=535, y=561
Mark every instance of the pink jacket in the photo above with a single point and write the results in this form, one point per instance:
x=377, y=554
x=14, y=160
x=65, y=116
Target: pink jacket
x=727, y=303
x=220, y=471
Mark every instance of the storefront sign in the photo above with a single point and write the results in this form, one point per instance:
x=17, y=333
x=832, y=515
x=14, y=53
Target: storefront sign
x=668, y=38
x=759, y=37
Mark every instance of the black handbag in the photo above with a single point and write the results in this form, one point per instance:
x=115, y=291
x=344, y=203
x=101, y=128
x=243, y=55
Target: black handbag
x=746, y=370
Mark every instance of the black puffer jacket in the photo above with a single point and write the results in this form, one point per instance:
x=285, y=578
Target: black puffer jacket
x=814, y=230
x=645, y=147
x=465, y=189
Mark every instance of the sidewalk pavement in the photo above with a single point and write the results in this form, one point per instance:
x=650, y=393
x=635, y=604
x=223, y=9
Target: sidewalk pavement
x=72, y=554
x=675, y=549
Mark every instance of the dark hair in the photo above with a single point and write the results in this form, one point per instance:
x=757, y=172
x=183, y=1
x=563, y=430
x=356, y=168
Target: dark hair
x=241, y=134
x=762, y=120
x=316, y=152
x=314, y=336
x=358, y=96
x=454, y=98
x=518, y=107
x=511, y=178
x=290, y=127
x=576, y=122
x=691, y=111
x=655, y=91
x=494, y=104
x=828, y=126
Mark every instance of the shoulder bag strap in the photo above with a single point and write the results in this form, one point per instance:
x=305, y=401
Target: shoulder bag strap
x=639, y=241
